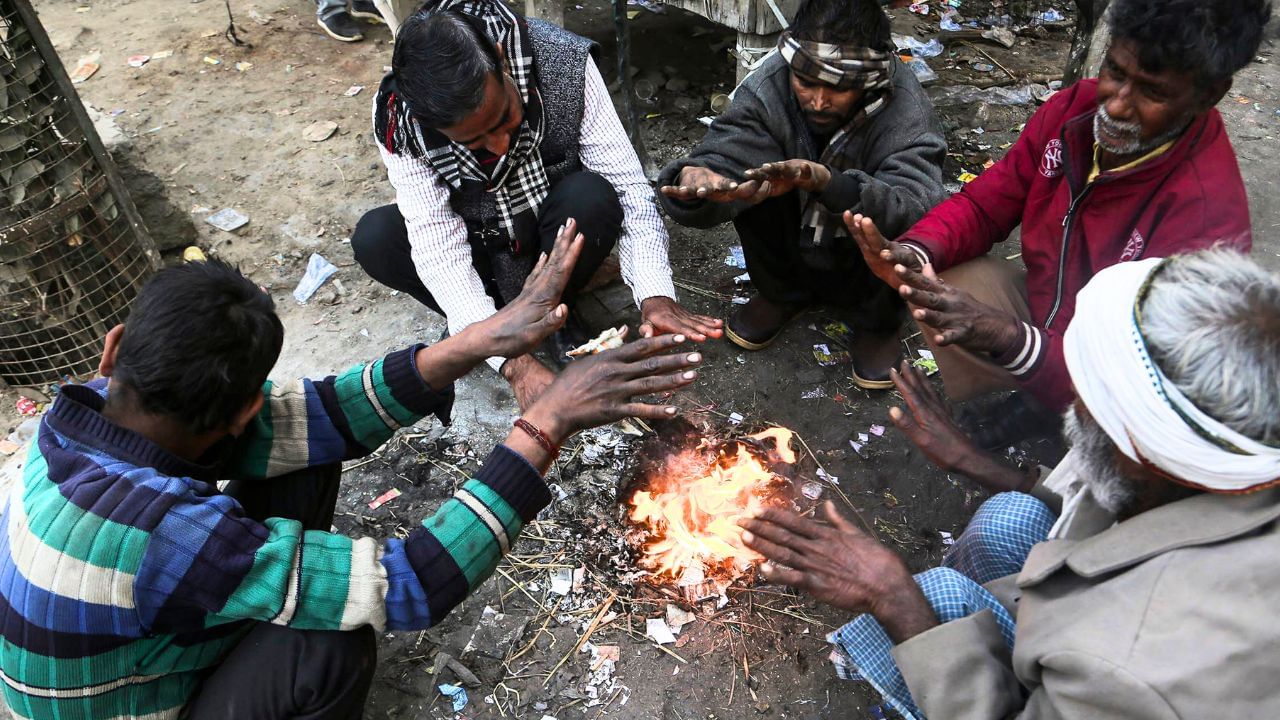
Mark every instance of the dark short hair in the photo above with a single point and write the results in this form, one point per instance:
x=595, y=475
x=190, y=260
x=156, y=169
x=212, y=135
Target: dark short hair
x=198, y=344
x=1208, y=39
x=441, y=62
x=843, y=22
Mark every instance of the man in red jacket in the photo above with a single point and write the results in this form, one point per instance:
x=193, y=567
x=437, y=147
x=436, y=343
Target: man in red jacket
x=1134, y=164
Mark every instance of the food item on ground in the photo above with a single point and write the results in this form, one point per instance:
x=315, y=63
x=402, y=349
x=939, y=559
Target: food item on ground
x=607, y=340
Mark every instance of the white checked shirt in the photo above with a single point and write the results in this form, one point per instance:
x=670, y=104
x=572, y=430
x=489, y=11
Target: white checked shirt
x=438, y=237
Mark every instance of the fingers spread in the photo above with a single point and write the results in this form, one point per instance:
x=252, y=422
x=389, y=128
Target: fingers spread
x=789, y=521
x=645, y=347
x=781, y=549
x=784, y=576
x=654, y=384
x=660, y=364
x=840, y=522
x=645, y=411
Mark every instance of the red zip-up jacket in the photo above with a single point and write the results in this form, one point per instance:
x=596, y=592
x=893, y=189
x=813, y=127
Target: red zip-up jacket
x=1188, y=198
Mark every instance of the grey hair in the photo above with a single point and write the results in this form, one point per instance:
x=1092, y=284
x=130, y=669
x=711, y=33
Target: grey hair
x=1212, y=324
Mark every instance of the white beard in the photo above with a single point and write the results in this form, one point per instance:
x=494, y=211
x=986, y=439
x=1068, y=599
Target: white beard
x=1098, y=467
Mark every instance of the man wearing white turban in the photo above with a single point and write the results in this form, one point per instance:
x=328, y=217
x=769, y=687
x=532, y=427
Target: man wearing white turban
x=1139, y=579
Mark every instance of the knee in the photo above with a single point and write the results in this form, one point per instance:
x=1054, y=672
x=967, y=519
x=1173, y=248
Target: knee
x=374, y=230
x=344, y=653
x=589, y=193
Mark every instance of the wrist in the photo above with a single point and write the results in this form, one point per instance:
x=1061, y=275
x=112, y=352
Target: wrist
x=904, y=612
x=821, y=178
x=549, y=423
x=515, y=368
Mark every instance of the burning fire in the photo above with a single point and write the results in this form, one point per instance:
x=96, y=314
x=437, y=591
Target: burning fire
x=691, y=511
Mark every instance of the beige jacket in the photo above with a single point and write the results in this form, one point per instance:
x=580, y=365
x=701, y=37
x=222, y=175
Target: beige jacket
x=1174, y=613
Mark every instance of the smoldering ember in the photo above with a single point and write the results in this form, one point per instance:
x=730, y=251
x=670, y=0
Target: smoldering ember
x=899, y=463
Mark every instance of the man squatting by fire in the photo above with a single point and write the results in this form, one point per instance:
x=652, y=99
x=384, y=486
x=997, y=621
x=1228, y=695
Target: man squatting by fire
x=1138, y=579
x=1132, y=165
x=132, y=587
x=494, y=130
x=832, y=122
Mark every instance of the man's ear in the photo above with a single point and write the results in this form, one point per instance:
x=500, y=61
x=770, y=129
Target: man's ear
x=246, y=415
x=506, y=67
x=1214, y=94
x=111, y=347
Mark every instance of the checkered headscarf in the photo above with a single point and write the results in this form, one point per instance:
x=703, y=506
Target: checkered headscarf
x=519, y=178
x=845, y=67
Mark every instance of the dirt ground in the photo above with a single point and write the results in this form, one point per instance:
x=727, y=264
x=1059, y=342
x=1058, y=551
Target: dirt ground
x=214, y=126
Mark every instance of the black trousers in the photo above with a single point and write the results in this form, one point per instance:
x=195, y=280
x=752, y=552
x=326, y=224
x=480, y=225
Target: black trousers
x=381, y=241
x=280, y=672
x=785, y=272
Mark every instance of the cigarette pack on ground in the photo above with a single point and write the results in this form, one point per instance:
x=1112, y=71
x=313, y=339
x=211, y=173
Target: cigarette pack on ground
x=607, y=340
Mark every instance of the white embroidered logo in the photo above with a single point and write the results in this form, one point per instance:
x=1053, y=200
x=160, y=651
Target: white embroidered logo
x=1051, y=163
x=1133, y=249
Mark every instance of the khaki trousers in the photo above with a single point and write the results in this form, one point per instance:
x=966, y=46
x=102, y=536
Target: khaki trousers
x=1000, y=284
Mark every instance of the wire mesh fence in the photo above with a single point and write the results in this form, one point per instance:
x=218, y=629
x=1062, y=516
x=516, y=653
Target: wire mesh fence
x=72, y=250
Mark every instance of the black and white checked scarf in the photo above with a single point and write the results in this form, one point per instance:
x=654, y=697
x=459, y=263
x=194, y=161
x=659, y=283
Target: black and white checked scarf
x=845, y=67
x=519, y=178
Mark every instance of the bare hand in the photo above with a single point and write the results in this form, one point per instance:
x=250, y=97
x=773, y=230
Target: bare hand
x=791, y=175
x=529, y=378
x=537, y=312
x=699, y=183
x=840, y=565
x=598, y=389
x=952, y=316
x=927, y=423
x=880, y=254
x=662, y=315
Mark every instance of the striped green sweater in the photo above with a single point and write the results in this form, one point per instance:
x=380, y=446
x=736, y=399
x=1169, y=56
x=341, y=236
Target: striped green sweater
x=126, y=574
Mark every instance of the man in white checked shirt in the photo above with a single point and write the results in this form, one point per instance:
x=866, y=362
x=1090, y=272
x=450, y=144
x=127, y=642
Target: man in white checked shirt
x=496, y=130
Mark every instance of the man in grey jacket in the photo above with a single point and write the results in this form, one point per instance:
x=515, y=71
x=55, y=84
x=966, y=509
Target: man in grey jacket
x=1140, y=576
x=831, y=122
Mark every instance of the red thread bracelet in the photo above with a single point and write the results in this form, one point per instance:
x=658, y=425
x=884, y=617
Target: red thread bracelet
x=536, y=433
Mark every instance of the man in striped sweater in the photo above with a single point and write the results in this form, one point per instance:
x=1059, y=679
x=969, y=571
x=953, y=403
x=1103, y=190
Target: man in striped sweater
x=131, y=587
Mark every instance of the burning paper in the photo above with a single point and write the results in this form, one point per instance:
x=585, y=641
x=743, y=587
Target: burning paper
x=691, y=511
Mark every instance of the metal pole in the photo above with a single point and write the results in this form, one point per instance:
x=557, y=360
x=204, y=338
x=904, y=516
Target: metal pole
x=631, y=118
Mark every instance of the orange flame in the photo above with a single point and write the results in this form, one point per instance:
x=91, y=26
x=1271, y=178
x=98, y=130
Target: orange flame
x=692, y=513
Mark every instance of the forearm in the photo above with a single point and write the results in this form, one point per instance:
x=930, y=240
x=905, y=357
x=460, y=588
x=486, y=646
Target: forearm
x=446, y=361
x=989, y=472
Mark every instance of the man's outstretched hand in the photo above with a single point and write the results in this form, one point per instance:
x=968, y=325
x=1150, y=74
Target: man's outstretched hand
x=840, y=565
x=520, y=326
x=953, y=316
x=699, y=183
x=927, y=423
x=880, y=254
x=662, y=315
x=600, y=389
x=788, y=175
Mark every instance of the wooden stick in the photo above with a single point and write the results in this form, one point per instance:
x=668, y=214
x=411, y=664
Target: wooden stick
x=595, y=622
x=987, y=55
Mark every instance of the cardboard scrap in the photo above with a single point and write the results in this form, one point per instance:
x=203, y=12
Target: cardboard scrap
x=86, y=67
x=384, y=498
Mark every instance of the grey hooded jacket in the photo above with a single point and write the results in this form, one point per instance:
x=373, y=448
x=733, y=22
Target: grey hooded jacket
x=898, y=153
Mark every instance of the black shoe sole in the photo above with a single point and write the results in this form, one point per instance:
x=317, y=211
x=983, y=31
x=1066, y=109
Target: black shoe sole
x=357, y=38
x=372, y=17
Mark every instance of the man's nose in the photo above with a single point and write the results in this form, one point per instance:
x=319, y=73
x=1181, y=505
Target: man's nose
x=820, y=100
x=1118, y=105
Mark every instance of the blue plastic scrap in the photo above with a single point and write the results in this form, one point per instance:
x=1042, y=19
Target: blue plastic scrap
x=455, y=693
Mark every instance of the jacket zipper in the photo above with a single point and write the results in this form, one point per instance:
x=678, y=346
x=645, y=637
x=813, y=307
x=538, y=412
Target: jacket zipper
x=1062, y=257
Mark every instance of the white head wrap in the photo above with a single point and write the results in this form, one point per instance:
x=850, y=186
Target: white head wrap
x=1140, y=409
